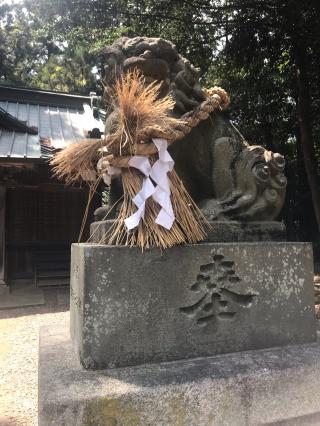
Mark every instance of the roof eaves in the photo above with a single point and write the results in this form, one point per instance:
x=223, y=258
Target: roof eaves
x=10, y=122
x=42, y=97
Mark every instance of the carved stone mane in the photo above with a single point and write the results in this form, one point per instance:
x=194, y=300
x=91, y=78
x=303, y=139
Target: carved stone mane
x=158, y=60
x=227, y=177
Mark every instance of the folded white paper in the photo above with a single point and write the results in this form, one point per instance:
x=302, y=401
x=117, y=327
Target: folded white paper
x=107, y=170
x=160, y=191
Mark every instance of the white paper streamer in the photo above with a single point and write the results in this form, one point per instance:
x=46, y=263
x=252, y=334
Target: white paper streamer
x=140, y=201
x=142, y=163
x=107, y=171
x=160, y=192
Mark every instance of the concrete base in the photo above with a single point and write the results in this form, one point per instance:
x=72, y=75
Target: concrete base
x=275, y=386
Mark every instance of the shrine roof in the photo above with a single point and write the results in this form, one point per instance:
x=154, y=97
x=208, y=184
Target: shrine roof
x=35, y=123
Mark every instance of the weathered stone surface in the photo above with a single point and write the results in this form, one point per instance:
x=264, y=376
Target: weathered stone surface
x=130, y=308
x=277, y=386
x=221, y=232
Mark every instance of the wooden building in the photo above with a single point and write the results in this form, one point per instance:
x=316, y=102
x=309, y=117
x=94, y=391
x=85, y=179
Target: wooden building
x=39, y=216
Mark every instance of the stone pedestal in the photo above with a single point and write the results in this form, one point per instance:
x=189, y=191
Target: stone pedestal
x=130, y=308
x=185, y=305
x=228, y=231
x=277, y=386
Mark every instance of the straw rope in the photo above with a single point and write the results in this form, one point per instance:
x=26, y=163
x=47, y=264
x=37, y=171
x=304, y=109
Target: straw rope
x=190, y=225
x=218, y=99
x=142, y=116
x=73, y=162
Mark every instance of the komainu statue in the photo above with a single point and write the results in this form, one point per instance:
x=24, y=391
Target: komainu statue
x=227, y=177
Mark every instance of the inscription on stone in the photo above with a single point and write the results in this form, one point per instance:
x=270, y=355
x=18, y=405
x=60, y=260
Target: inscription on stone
x=216, y=302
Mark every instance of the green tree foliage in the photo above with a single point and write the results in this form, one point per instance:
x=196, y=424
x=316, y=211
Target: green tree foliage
x=46, y=45
x=266, y=53
x=19, y=48
x=263, y=55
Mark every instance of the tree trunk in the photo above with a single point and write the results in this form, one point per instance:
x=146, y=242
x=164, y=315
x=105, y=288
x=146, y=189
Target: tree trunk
x=305, y=125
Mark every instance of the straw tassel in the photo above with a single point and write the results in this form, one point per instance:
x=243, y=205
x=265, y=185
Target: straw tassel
x=140, y=117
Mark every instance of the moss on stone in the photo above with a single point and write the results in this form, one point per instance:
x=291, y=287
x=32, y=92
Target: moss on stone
x=110, y=412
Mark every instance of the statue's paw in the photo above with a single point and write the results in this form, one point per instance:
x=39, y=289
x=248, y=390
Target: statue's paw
x=211, y=209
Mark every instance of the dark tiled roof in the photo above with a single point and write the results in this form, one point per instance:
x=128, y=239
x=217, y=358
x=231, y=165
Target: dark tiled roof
x=42, y=97
x=61, y=118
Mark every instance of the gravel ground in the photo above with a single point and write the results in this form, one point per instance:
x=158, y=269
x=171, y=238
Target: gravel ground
x=19, y=345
